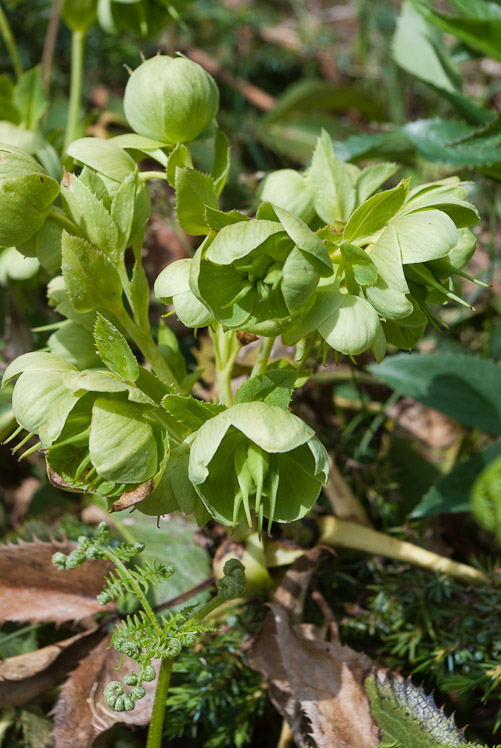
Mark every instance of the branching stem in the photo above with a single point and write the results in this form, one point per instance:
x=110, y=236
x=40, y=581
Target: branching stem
x=226, y=348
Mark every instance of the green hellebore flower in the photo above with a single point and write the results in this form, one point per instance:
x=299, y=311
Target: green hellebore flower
x=170, y=99
x=256, y=456
x=257, y=275
x=173, y=287
x=26, y=195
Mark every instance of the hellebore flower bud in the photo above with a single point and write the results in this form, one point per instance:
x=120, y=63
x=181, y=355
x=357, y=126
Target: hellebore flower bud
x=26, y=194
x=170, y=99
x=258, y=455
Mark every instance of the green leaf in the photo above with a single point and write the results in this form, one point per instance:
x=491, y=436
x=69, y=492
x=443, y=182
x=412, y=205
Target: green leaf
x=122, y=443
x=91, y=280
x=114, y=350
x=463, y=387
x=179, y=156
x=217, y=220
x=194, y=191
x=274, y=387
x=486, y=498
x=104, y=156
x=406, y=715
x=452, y=492
x=481, y=34
x=30, y=97
x=189, y=412
x=371, y=179
x=375, y=213
x=419, y=49
x=330, y=182
x=221, y=166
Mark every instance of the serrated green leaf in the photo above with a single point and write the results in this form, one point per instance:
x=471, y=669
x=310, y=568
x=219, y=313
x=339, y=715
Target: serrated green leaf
x=30, y=98
x=481, y=34
x=114, y=350
x=217, y=220
x=194, y=191
x=179, y=156
x=92, y=282
x=274, y=387
x=463, y=387
x=189, y=412
x=406, y=715
x=452, y=492
x=330, y=182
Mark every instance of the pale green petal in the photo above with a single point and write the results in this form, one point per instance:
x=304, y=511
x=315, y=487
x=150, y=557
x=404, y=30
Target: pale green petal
x=353, y=328
x=238, y=239
x=271, y=428
x=425, y=235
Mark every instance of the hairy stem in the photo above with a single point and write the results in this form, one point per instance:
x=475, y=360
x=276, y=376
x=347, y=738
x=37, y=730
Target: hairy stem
x=155, y=729
x=339, y=533
x=150, y=351
x=10, y=43
x=137, y=590
x=265, y=348
x=77, y=62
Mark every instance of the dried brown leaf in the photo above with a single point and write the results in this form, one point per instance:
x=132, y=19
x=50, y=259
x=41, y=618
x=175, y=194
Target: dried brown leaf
x=33, y=589
x=80, y=714
x=25, y=676
x=131, y=498
x=318, y=686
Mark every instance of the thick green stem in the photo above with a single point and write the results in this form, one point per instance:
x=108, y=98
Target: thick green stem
x=339, y=533
x=77, y=62
x=10, y=43
x=150, y=351
x=145, y=175
x=226, y=348
x=155, y=729
x=263, y=355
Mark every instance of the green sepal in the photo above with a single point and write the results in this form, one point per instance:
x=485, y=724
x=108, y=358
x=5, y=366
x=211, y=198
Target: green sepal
x=179, y=156
x=91, y=280
x=173, y=287
x=359, y=268
x=122, y=443
x=73, y=343
x=114, y=350
x=297, y=464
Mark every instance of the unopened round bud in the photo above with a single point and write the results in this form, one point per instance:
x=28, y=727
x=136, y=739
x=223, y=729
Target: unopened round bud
x=131, y=679
x=26, y=194
x=171, y=99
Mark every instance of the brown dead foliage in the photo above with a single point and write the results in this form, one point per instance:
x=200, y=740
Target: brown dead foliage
x=33, y=590
x=24, y=677
x=317, y=685
x=80, y=714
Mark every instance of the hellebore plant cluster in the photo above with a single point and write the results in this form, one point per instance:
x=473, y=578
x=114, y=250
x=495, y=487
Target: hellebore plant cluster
x=327, y=262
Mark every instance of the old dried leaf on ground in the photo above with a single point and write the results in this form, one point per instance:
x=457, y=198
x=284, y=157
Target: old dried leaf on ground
x=80, y=714
x=32, y=589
